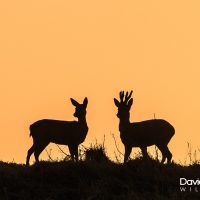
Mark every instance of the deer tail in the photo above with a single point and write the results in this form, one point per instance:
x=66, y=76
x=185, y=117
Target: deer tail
x=30, y=128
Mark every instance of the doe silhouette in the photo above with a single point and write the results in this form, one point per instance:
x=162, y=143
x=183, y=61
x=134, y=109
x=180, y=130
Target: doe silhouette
x=142, y=134
x=71, y=133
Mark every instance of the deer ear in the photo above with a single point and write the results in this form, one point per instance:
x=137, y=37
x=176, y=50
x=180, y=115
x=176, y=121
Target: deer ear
x=85, y=102
x=130, y=103
x=74, y=102
x=116, y=102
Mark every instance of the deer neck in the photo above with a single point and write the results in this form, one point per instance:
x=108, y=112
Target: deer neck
x=123, y=124
x=82, y=121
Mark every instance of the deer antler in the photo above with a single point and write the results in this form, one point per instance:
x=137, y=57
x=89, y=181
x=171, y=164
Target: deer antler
x=121, y=95
x=128, y=96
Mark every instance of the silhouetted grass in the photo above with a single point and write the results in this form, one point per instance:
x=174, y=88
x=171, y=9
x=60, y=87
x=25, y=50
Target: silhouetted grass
x=96, y=178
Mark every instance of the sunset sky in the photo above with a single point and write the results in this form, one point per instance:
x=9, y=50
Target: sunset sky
x=53, y=50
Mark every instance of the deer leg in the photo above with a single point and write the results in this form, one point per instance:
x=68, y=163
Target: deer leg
x=38, y=149
x=72, y=151
x=127, y=153
x=29, y=153
x=76, y=153
x=162, y=149
x=144, y=152
x=168, y=154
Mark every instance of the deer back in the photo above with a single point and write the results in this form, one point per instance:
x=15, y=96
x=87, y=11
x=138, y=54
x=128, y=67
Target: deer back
x=146, y=133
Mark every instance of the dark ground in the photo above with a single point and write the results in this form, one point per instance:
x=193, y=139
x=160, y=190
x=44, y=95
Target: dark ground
x=137, y=180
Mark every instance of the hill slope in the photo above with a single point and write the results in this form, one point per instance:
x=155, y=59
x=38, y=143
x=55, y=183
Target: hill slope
x=140, y=180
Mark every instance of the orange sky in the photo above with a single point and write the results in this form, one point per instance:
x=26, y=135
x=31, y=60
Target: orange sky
x=53, y=50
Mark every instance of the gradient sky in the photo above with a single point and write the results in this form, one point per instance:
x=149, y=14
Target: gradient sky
x=53, y=50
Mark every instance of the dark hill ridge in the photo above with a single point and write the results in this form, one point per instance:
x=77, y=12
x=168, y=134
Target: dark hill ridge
x=138, y=179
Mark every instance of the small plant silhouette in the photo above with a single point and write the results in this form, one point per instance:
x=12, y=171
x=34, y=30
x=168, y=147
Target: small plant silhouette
x=142, y=134
x=71, y=133
x=96, y=153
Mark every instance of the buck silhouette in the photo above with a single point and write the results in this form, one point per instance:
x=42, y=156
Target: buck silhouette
x=71, y=133
x=142, y=134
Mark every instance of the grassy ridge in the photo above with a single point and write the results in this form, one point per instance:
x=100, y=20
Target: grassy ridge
x=138, y=179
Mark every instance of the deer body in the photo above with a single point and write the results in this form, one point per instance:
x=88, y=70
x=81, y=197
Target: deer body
x=71, y=133
x=59, y=132
x=142, y=134
x=146, y=133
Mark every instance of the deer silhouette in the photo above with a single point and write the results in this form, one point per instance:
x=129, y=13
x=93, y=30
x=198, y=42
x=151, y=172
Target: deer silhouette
x=142, y=134
x=71, y=133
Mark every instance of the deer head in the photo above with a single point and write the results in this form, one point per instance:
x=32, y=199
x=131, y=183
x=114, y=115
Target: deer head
x=80, y=109
x=124, y=105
